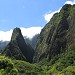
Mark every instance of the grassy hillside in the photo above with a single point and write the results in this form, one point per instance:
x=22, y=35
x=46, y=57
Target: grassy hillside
x=16, y=67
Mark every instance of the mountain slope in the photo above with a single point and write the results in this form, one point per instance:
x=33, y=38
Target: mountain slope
x=32, y=41
x=17, y=48
x=58, y=35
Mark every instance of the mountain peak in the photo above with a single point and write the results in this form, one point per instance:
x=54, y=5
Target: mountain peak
x=17, y=47
x=16, y=33
x=17, y=30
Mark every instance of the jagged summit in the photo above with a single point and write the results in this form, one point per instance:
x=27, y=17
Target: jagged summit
x=17, y=30
x=16, y=33
x=17, y=48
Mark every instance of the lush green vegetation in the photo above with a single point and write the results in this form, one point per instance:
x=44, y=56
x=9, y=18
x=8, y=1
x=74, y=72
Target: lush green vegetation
x=63, y=64
x=16, y=67
x=7, y=66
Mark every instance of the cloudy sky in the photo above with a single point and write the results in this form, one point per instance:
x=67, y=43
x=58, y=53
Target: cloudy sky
x=29, y=15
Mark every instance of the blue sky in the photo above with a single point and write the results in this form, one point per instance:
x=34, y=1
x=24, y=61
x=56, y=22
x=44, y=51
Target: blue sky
x=26, y=13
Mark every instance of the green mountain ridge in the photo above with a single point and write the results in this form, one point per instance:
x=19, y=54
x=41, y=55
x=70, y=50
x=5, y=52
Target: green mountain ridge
x=58, y=35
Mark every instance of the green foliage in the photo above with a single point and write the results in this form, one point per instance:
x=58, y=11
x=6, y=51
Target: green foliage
x=17, y=67
x=25, y=67
x=63, y=64
x=7, y=66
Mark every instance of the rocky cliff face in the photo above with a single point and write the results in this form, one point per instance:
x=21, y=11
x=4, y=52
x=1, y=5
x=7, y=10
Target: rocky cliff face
x=17, y=48
x=58, y=35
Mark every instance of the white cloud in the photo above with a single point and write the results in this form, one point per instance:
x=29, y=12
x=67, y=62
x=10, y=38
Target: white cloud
x=70, y=2
x=28, y=32
x=49, y=15
x=5, y=36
